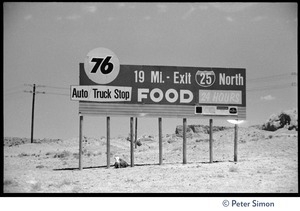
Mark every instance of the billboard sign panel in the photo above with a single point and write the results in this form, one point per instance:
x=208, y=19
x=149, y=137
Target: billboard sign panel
x=103, y=80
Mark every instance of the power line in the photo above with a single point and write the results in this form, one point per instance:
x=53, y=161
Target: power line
x=36, y=85
x=55, y=87
x=35, y=92
x=13, y=92
x=272, y=78
x=51, y=87
x=251, y=80
x=54, y=93
x=281, y=86
x=12, y=88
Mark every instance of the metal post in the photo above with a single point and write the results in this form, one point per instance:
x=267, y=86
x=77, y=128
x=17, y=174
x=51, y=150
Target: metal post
x=210, y=141
x=135, y=132
x=108, y=141
x=235, y=141
x=32, y=112
x=184, y=140
x=131, y=142
x=80, y=141
x=160, y=140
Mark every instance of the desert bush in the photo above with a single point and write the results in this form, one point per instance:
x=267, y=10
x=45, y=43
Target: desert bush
x=89, y=153
x=8, y=182
x=179, y=131
x=139, y=143
x=233, y=169
x=97, y=153
x=35, y=187
x=23, y=154
x=40, y=166
x=254, y=139
x=62, y=154
x=76, y=155
x=127, y=180
x=179, y=148
x=76, y=189
x=204, y=140
x=171, y=140
x=64, y=182
x=243, y=141
x=201, y=140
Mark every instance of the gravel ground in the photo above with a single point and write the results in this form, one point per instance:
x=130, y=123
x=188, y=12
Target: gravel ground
x=267, y=163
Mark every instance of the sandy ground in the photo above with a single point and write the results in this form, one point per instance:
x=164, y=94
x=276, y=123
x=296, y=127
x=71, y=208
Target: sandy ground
x=267, y=163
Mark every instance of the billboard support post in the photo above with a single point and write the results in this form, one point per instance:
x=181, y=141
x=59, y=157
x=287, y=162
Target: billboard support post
x=131, y=142
x=210, y=140
x=184, y=140
x=80, y=141
x=235, y=141
x=135, y=133
x=160, y=140
x=108, y=141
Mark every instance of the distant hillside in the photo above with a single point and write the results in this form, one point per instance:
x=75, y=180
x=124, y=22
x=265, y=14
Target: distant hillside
x=197, y=129
x=288, y=119
x=13, y=141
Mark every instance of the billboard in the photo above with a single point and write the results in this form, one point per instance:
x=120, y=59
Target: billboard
x=187, y=91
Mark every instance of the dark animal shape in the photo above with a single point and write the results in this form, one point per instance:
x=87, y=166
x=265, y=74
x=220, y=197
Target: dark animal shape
x=120, y=163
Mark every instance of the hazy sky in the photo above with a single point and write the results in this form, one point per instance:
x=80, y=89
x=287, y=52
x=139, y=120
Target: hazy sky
x=45, y=42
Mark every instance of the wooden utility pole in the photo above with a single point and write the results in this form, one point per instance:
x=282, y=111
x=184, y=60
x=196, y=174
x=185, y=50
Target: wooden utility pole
x=33, y=103
x=32, y=112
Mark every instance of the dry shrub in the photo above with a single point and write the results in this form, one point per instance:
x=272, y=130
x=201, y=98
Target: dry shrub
x=9, y=182
x=76, y=155
x=97, y=153
x=233, y=169
x=36, y=187
x=76, y=190
x=204, y=140
x=64, y=182
x=23, y=154
x=171, y=140
x=63, y=154
x=40, y=166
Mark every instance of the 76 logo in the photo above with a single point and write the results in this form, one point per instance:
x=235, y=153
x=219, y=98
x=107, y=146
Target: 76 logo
x=205, y=78
x=101, y=66
x=105, y=66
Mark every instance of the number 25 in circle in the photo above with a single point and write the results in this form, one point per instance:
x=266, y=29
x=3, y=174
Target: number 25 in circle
x=101, y=65
x=205, y=78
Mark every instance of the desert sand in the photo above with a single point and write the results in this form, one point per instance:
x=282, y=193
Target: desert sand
x=267, y=163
